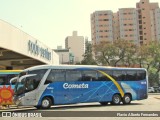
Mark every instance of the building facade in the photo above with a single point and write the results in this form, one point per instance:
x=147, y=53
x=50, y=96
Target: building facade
x=76, y=44
x=138, y=25
x=18, y=50
x=102, y=26
x=65, y=55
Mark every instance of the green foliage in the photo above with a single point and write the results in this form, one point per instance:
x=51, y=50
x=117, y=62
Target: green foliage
x=124, y=53
x=88, y=57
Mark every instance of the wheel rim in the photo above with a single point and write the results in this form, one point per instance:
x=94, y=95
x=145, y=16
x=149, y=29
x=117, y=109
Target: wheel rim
x=45, y=103
x=116, y=99
x=127, y=99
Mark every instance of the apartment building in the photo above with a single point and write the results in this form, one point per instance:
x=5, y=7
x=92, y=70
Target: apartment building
x=128, y=25
x=147, y=23
x=102, y=26
x=138, y=25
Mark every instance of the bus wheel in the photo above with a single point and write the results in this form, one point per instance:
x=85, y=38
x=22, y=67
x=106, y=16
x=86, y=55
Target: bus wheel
x=104, y=103
x=116, y=99
x=127, y=99
x=46, y=103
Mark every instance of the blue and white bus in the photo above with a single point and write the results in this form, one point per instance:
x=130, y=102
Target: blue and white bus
x=47, y=85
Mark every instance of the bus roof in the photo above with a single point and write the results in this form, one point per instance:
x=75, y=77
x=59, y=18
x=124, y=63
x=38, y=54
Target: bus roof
x=79, y=66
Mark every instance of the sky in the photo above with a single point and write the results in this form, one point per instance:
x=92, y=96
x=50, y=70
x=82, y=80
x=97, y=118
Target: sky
x=51, y=21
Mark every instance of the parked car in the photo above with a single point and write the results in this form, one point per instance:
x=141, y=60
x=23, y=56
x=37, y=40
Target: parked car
x=156, y=88
x=151, y=89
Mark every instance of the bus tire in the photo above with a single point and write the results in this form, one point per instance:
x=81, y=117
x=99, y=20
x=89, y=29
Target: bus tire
x=46, y=103
x=104, y=103
x=116, y=99
x=127, y=99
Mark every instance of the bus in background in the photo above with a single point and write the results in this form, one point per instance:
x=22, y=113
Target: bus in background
x=7, y=75
x=46, y=85
x=6, y=88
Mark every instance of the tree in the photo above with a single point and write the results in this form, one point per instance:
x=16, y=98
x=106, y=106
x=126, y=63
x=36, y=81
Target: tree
x=88, y=57
x=120, y=52
x=104, y=53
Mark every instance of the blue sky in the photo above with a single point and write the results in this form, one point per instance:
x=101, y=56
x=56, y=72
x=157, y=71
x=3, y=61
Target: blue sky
x=50, y=21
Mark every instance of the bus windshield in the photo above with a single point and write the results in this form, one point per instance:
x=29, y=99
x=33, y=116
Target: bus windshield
x=29, y=82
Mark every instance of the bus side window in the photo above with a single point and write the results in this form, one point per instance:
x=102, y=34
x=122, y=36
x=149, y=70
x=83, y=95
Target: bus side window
x=50, y=78
x=131, y=75
x=141, y=75
x=55, y=75
x=2, y=80
x=102, y=77
x=59, y=75
x=89, y=75
x=119, y=75
x=73, y=75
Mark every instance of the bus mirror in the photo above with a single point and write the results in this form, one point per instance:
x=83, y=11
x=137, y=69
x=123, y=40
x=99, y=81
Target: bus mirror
x=11, y=80
x=25, y=76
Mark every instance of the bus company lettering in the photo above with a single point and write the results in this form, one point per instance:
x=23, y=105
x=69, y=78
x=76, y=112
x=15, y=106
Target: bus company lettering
x=71, y=86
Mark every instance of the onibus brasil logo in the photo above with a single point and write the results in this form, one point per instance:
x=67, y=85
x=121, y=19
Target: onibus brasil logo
x=6, y=95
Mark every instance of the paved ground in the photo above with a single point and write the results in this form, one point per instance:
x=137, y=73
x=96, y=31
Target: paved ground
x=150, y=104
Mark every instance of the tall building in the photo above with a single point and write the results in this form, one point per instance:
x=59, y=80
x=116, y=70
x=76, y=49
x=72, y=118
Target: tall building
x=102, y=26
x=147, y=23
x=128, y=24
x=77, y=46
x=139, y=25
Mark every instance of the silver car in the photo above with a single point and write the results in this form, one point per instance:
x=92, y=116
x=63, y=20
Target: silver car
x=151, y=89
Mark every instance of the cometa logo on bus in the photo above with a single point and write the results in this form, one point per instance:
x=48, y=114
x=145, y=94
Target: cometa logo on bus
x=71, y=86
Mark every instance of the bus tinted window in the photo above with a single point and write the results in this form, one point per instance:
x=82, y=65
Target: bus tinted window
x=141, y=75
x=2, y=80
x=73, y=75
x=119, y=75
x=55, y=75
x=102, y=77
x=131, y=75
x=89, y=75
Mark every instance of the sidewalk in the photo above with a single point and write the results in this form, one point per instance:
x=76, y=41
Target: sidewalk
x=16, y=108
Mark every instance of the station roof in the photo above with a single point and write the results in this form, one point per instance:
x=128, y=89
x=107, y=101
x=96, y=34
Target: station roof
x=10, y=58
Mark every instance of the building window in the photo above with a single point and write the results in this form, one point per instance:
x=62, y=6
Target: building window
x=140, y=27
x=141, y=37
x=140, y=16
x=140, y=21
x=105, y=19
